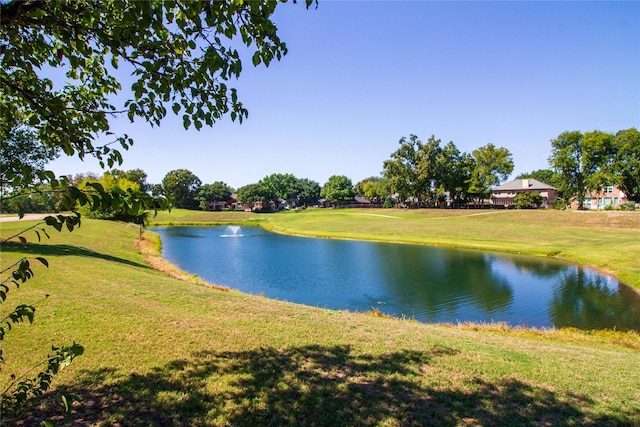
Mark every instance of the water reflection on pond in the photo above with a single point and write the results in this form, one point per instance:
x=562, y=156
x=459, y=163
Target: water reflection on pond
x=424, y=283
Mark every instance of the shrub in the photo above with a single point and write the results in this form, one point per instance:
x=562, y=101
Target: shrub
x=527, y=200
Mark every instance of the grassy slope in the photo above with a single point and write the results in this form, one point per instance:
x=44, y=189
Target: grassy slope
x=162, y=351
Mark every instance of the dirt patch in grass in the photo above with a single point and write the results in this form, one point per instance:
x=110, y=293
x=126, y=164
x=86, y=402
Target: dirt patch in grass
x=149, y=246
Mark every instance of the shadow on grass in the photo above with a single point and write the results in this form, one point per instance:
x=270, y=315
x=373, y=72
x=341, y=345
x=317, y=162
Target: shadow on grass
x=314, y=386
x=37, y=249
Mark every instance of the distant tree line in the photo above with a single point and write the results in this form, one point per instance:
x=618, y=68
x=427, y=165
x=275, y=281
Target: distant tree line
x=420, y=174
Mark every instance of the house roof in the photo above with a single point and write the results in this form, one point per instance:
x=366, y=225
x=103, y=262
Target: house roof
x=360, y=199
x=523, y=184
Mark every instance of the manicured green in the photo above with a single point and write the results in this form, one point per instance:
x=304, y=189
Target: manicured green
x=160, y=351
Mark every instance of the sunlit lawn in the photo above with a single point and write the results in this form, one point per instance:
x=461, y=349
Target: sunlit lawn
x=160, y=351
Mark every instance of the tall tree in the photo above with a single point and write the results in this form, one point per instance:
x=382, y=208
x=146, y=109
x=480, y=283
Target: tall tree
x=281, y=185
x=182, y=187
x=22, y=158
x=373, y=188
x=215, y=192
x=625, y=169
x=338, y=188
x=255, y=193
x=307, y=192
x=492, y=165
x=568, y=162
x=428, y=167
x=135, y=175
x=402, y=169
x=454, y=172
x=582, y=162
x=599, y=155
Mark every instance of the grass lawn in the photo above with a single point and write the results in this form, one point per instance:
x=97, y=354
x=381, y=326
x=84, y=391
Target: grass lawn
x=163, y=351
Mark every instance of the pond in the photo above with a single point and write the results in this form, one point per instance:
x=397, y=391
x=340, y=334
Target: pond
x=428, y=284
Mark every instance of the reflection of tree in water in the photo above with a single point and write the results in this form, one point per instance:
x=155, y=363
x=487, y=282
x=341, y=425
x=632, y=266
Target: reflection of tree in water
x=443, y=282
x=585, y=301
x=540, y=268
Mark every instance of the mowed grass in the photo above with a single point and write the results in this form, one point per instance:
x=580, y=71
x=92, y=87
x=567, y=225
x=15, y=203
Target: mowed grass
x=162, y=351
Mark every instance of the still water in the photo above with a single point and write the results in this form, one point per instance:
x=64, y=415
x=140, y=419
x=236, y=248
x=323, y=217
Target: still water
x=427, y=284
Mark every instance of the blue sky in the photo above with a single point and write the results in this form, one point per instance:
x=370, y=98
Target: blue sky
x=362, y=74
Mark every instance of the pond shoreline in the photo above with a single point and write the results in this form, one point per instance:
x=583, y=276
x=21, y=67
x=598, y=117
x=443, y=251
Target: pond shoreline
x=268, y=226
x=442, y=284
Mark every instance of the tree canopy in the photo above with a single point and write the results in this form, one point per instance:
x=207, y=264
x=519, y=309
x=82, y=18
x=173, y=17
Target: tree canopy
x=422, y=171
x=182, y=187
x=492, y=165
x=214, y=192
x=374, y=188
x=402, y=169
x=590, y=161
x=63, y=64
x=281, y=185
x=255, y=193
x=68, y=67
x=338, y=188
x=21, y=155
x=625, y=167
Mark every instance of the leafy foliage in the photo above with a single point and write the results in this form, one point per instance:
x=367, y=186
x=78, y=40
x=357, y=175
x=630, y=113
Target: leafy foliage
x=20, y=156
x=62, y=64
x=625, y=167
x=402, y=169
x=421, y=171
x=216, y=192
x=454, y=173
x=527, y=200
x=134, y=175
x=590, y=161
x=568, y=161
x=182, y=187
x=307, y=192
x=337, y=189
x=374, y=188
x=281, y=185
x=546, y=176
x=492, y=165
x=179, y=54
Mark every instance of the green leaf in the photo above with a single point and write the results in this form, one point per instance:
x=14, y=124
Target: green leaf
x=97, y=186
x=43, y=261
x=256, y=59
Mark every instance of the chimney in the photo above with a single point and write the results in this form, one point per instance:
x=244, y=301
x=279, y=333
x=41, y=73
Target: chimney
x=525, y=183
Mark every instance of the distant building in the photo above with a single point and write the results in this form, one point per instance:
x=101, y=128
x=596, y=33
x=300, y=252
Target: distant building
x=503, y=195
x=610, y=197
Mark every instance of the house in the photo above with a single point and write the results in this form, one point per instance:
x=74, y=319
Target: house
x=503, y=195
x=610, y=197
